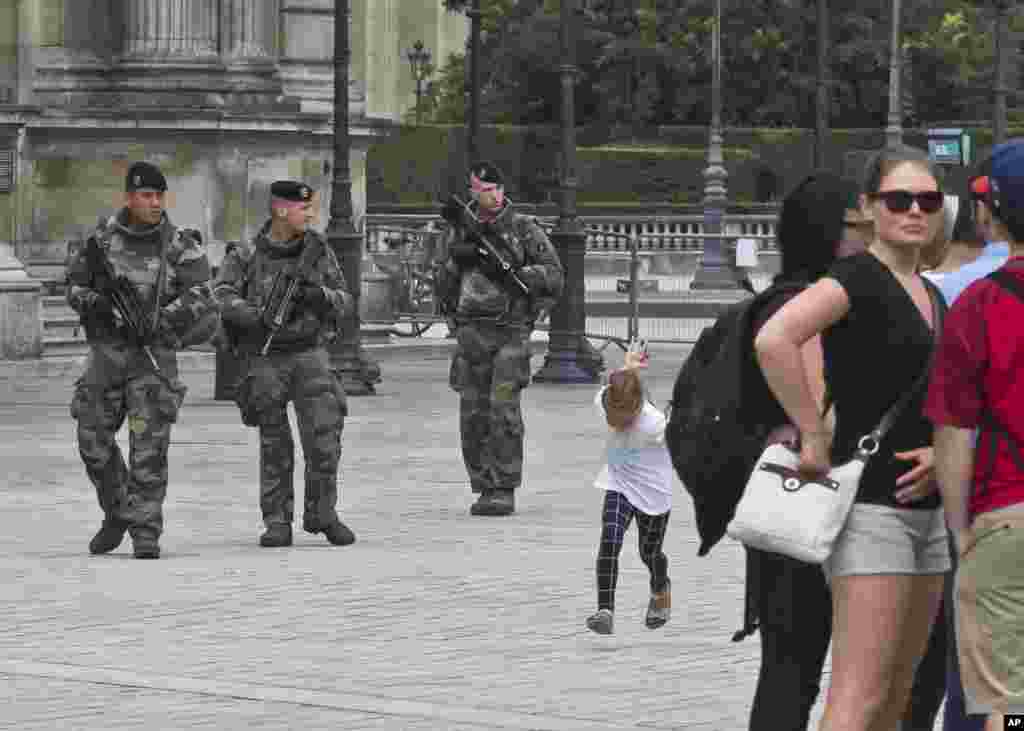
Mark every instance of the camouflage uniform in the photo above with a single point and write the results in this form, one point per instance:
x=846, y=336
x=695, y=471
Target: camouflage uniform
x=296, y=369
x=120, y=382
x=491, y=364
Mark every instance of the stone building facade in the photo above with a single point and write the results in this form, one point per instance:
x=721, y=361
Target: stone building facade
x=225, y=95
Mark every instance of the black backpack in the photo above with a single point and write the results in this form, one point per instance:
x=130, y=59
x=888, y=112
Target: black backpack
x=713, y=434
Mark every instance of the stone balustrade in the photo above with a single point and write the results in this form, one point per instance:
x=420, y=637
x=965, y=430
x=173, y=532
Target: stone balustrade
x=669, y=234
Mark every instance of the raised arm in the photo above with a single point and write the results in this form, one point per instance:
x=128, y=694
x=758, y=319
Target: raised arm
x=544, y=276
x=779, y=350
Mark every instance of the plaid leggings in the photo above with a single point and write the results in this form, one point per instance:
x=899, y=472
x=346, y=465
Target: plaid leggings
x=618, y=512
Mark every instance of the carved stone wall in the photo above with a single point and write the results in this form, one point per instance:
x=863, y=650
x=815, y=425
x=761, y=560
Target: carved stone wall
x=166, y=54
x=178, y=29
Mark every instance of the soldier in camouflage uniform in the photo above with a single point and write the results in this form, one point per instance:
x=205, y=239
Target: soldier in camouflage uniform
x=126, y=379
x=295, y=367
x=493, y=320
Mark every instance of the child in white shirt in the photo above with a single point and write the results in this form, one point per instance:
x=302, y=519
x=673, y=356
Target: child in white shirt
x=637, y=481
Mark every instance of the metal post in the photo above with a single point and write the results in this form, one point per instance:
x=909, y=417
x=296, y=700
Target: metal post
x=822, y=111
x=999, y=122
x=474, y=83
x=357, y=371
x=714, y=271
x=634, y=283
x=894, y=128
x=570, y=358
x=419, y=60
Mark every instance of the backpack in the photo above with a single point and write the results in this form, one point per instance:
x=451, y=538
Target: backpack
x=990, y=425
x=713, y=434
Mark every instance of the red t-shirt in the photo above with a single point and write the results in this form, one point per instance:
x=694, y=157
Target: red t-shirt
x=979, y=367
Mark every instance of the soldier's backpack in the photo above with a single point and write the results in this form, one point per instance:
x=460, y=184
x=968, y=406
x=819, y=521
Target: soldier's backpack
x=713, y=433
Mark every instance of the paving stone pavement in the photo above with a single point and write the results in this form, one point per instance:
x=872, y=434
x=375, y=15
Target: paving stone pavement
x=433, y=620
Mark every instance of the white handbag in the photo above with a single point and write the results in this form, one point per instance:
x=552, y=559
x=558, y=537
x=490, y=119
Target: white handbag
x=782, y=511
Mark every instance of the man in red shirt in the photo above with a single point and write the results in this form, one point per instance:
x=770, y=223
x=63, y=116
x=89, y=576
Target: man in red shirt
x=978, y=385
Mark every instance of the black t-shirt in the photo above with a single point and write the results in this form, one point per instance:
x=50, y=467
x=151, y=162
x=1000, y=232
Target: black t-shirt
x=873, y=355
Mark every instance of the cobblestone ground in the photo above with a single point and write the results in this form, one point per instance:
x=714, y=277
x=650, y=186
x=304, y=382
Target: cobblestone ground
x=432, y=620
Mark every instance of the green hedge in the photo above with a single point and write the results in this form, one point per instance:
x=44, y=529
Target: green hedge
x=415, y=164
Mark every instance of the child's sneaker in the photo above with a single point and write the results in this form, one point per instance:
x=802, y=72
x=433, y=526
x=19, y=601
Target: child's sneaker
x=601, y=622
x=659, y=609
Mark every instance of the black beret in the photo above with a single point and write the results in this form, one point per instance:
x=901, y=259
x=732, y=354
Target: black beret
x=144, y=175
x=488, y=172
x=290, y=190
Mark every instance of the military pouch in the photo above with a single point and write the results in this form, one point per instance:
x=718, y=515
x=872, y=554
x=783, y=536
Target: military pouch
x=459, y=374
x=86, y=404
x=169, y=398
x=243, y=399
x=260, y=393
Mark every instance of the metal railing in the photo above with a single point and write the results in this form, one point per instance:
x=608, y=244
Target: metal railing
x=655, y=234
x=415, y=257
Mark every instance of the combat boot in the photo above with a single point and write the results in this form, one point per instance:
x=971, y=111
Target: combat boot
x=502, y=502
x=339, y=534
x=145, y=547
x=277, y=535
x=109, y=536
x=482, y=503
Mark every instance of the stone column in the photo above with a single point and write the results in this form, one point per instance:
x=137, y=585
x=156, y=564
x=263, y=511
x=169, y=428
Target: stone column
x=87, y=32
x=70, y=47
x=171, y=29
x=249, y=31
x=21, y=328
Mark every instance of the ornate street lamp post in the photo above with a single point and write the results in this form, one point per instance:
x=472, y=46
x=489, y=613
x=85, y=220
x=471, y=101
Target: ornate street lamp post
x=894, y=128
x=474, y=83
x=419, y=61
x=570, y=358
x=999, y=122
x=358, y=372
x=714, y=271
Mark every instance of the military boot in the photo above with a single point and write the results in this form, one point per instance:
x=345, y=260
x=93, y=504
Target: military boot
x=145, y=546
x=277, y=535
x=482, y=503
x=338, y=534
x=109, y=536
x=501, y=502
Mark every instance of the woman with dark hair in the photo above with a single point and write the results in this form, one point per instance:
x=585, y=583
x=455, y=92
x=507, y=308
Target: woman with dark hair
x=790, y=599
x=874, y=316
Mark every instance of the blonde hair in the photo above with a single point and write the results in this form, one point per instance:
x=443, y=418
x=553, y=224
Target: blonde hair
x=624, y=398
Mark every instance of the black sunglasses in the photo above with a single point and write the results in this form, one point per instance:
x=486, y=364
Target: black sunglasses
x=900, y=201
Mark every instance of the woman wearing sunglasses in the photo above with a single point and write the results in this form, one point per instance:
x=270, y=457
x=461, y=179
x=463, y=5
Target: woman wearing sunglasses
x=875, y=315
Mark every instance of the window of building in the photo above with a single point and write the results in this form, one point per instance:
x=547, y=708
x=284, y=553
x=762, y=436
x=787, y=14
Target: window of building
x=6, y=170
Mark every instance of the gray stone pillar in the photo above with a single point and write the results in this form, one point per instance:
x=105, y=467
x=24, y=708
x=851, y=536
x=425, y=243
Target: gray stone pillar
x=181, y=30
x=249, y=30
x=70, y=47
x=249, y=47
x=88, y=39
x=21, y=323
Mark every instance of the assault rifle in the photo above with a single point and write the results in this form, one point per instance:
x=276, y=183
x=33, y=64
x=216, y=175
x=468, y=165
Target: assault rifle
x=129, y=309
x=277, y=309
x=477, y=232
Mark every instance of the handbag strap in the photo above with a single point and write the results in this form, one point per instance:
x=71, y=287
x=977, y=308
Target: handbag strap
x=887, y=421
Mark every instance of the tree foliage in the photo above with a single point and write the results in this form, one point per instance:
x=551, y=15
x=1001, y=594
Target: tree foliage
x=649, y=61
